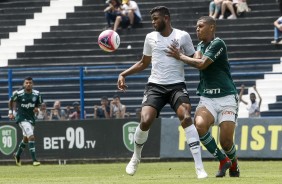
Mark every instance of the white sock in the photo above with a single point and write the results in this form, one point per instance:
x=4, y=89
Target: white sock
x=193, y=141
x=140, y=137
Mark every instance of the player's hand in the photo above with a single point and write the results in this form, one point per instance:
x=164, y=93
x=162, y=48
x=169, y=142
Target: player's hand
x=255, y=88
x=11, y=116
x=198, y=55
x=173, y=51
x=242, y=86
x=121, y=83
x=35, y=110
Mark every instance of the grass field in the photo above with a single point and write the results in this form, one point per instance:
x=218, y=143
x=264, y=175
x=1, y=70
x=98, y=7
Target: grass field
x=252, y=172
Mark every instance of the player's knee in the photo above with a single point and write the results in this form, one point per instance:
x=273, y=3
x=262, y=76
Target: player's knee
x=186, y=121
x=31, y=138
x=146, y=122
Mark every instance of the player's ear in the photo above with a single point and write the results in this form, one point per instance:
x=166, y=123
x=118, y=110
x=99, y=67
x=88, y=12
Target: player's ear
x=212, y=28
x=166, y=17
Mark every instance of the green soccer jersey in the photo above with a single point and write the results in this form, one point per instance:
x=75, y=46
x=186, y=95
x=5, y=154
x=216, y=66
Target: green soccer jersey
x=26, y=102
x=215, y=80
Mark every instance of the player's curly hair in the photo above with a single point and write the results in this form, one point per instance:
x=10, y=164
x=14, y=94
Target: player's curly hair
x=162, y=10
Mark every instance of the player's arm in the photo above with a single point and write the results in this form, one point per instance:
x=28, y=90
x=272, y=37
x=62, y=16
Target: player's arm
x=11, y=107
x=241, y=94
x=137, y=67
x=199, y=63
x=260, y=99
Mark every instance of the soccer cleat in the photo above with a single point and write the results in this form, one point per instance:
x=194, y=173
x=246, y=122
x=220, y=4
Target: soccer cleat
x=17, y=159
x=201, y=173
x=36, y=163
x=234, y=170
x=223, y=166
x=131, y=167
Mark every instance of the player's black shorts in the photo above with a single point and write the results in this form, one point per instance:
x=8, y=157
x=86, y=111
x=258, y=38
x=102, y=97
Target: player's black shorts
x=157, y=95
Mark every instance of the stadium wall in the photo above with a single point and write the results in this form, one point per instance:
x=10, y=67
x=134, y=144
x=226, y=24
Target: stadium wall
x=259, y=138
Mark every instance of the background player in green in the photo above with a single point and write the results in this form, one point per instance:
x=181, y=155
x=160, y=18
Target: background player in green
x=219, y=98
x=27, y=100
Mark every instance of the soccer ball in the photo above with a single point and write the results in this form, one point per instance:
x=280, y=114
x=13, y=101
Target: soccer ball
x=109, y=40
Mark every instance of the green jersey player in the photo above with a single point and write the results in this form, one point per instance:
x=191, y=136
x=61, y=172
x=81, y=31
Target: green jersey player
x=27, y=101
x=219, y=100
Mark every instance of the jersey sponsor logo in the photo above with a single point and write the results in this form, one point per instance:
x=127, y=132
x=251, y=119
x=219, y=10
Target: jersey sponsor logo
x=34, y=99
x=212, y=91
x=29, y=105
x=128, y=134
x=228, y=113
x=8, y=139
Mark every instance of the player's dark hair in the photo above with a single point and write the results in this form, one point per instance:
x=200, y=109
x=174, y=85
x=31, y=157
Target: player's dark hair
x=252, y=94
x=161, y=9
x=104, y=98
x=28, y=78
x=208, y=19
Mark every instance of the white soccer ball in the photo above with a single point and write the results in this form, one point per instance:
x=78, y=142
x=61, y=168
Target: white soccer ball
x=109, y=40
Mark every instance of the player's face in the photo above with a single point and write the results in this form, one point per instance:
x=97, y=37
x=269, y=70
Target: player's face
x=28, y=85
x=253, y=98
x=158, y=22
x=203, y=30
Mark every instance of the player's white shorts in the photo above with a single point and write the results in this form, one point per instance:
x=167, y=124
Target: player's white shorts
x=27, y=128
x=223, y=108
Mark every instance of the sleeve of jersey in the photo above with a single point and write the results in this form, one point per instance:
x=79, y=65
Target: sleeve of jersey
x=40, y=100
x=147, y=50
x=188, y=46
x=14, y=96
x=214, y=50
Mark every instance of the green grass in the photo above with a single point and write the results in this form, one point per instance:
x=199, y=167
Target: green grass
x=252, y=172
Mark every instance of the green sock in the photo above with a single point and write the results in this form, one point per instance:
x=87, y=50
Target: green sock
x=31, y=145
x=231, y=153
x=209, y=142
x=21, y=147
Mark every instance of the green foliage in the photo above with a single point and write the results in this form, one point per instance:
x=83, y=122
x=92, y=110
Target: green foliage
x=252, y=172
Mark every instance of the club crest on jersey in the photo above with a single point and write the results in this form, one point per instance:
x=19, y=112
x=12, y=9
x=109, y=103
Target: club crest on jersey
x=175, y=42
x=34, y=99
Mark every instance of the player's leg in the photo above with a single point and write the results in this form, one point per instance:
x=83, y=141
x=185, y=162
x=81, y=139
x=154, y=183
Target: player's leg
x=227, y=118
x=152, y=104
x=192, y=137
x=180, y=102
x=31, y=144
x=227, y=129
x=28, y=128
x=21, y=147
x=204, y=118
x=148, y=115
